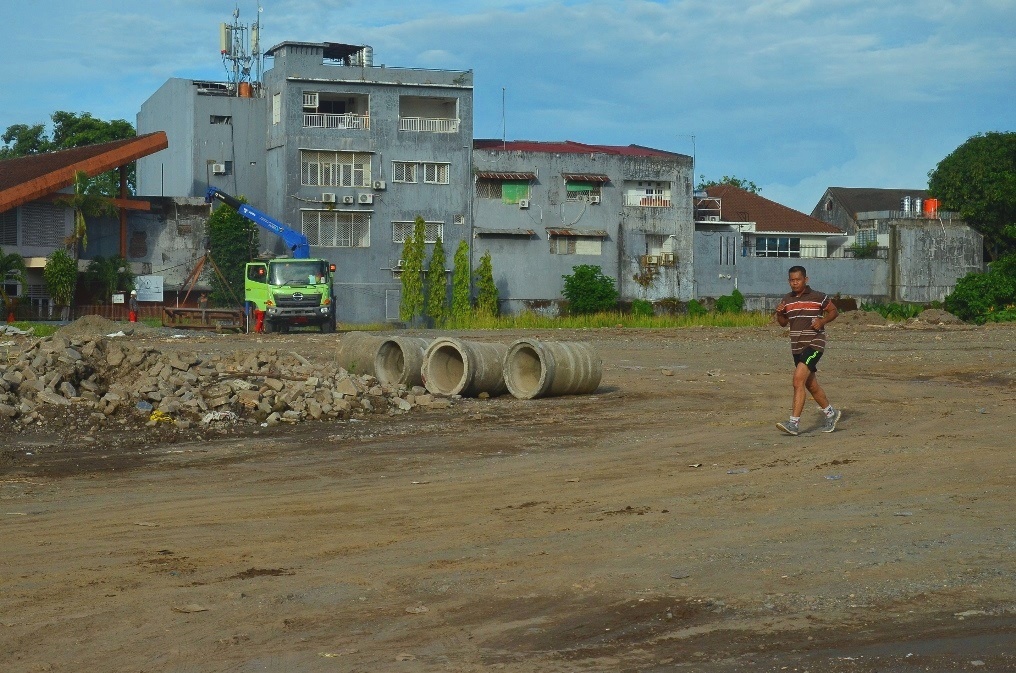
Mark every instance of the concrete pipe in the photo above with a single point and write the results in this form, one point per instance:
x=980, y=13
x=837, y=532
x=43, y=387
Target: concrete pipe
x=544, y=369
x=357, y=351
x=467, y=368
x=399, y=360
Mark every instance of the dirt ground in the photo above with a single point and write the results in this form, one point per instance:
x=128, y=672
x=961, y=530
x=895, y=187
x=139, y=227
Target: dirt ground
x=661, y=524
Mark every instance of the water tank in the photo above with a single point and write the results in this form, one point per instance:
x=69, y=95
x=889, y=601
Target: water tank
x=905, y=204
x=918, y=204
x=931, y=207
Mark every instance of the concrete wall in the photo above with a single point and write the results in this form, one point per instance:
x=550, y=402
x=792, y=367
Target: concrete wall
x=528, y=276
x=931, y=256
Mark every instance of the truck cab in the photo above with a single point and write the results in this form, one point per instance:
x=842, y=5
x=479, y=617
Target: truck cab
x=291, y=292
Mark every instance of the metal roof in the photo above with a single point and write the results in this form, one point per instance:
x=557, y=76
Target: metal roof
x=591, y=233
x=480, y=231
x=585, y=177
x=493, y=175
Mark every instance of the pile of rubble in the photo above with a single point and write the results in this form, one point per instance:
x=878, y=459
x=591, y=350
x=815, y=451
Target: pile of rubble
x=106, y=378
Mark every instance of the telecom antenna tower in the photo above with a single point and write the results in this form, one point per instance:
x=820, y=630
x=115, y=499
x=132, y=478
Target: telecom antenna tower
x=240, y=46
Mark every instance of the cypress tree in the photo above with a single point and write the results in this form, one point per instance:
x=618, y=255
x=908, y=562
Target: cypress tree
x=412, y=273
x=437, y=285
x=487, y=301
x=461, y=304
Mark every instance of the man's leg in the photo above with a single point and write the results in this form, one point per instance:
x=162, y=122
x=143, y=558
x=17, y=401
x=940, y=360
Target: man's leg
x=816, y=391
x=802, y=378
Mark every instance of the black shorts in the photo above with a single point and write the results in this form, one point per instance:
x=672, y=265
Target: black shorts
x=810, y=357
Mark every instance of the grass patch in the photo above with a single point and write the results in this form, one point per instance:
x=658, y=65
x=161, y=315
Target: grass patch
x=529, y=320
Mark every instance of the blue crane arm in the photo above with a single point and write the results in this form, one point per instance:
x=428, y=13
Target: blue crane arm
x=293, y=239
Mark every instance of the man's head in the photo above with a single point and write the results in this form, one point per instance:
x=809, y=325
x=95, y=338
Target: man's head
x=798, y=279
x=134, y=293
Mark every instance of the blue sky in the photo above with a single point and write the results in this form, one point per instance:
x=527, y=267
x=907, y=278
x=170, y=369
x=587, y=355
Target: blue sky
x=795, y=95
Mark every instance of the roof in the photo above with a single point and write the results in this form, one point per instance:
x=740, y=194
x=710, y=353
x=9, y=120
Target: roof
x=28, y=178
x=585, y=177
x=568, y=147
x=330, y=50
x=595, y=233
x=739, y=205
x=866, y=199
x=485, y=231
x=494, y=175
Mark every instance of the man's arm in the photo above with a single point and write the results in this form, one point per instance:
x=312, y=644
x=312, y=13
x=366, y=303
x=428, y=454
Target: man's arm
x=829, y=314
x=781, y=314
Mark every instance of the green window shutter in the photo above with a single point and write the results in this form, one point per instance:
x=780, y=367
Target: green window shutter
x=580, y=186
x=514, y=190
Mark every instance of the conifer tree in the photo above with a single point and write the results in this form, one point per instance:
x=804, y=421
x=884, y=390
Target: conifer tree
x=461, y=304
x=412, y=272
x=487, y=301
x=437, y=285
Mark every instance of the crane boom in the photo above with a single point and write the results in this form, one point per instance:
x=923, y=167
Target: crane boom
x=294, y=240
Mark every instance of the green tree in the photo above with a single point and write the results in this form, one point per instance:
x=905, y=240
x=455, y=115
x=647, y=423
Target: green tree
x=978, y=180
x=589, y=291
x=461, y=287
x=60, y=275
x=413, y=251
x=85, y=205
x=488, y=302
x=977, y=296
x=72, y=130
x=12, y=268
x=437, y=285
x=732, y=180
x=109, y=275
x=232, y=242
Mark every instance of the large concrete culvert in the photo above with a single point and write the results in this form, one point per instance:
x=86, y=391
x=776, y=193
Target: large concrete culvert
x=455, y=367
x=544, y=369
x=399, y=360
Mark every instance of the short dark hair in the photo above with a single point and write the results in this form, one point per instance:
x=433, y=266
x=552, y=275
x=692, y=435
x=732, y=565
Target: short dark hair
x=795, y=269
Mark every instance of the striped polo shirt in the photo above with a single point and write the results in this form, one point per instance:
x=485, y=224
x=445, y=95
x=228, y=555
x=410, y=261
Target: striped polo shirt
x=801, y=310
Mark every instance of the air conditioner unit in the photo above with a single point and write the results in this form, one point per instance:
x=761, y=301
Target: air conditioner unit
x=401, y=264
x=712, y=218
x=218, y=169
x=328, y=197
x=380, y=184
x=667, y=259
x=650, y=260
x=349, y=199
x=523, y=203
x=365, y=198
x=594, y=198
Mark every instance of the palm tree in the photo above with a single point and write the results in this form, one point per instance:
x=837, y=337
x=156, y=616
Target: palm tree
x=84, y=205
x=12, y=267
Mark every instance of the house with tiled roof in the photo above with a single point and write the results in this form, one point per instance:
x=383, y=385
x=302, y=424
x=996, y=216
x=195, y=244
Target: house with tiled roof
x=542, y=208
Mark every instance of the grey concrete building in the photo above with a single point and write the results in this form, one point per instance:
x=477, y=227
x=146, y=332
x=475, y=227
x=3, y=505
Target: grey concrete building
x=542, y=208
x=345, y=151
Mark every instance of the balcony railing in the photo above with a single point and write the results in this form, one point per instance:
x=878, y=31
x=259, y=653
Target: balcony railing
x=643, y=201
x=818, y=252
x=329, y=121
x=429, y=124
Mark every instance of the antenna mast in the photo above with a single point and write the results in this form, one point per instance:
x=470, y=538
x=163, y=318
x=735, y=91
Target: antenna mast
x=240, y=47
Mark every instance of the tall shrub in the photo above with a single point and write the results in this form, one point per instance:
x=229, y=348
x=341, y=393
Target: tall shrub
x=461, y=294
x=487, y=301
x=437, y=285
x=589, y=291
x=412, y=272
x=232, y=242
x=60, y=275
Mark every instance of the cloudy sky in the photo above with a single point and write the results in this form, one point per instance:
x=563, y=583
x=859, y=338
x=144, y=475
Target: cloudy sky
x=795, y=95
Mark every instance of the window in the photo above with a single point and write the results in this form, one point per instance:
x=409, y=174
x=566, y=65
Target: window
x=488, y=189
x=334, y=169
x=581, y=191
x=12, y=288
x=865, y=236
x=647, y=194
x=9, y=227
x=404, y=171
x=220, y=119
x=575, y=245
x=276, y=108
x=435, y=174
x=777, y=246
x=337, y=229
x=44, y=224
x=508, y=191
x=403, y=230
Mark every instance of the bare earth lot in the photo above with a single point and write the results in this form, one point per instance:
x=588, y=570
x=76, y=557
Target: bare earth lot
x=662, y=524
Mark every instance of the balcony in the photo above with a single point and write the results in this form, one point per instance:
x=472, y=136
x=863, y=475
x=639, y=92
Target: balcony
x=643, y=201
x=347, y=121
x=429, y=124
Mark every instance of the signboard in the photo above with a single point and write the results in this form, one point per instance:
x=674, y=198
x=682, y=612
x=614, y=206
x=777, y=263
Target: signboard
x=118, y=298
x=149, y=288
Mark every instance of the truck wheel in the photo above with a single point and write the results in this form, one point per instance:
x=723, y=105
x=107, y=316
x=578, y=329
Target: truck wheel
x=328, y=326
x=284, y=328
x=269, y=327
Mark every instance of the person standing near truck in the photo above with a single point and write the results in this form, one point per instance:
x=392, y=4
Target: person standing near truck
x=132, y=306
x=807, y=311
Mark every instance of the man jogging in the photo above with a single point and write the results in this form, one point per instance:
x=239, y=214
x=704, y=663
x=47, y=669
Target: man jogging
x=807, y=312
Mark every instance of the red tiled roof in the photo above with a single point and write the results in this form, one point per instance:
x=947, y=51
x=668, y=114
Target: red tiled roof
x=568, y=147
x=28, y=178
x=738, y=205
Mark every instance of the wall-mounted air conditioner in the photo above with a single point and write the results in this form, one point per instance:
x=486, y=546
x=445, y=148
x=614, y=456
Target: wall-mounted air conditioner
x=712, y=218
x=365, y=198
x=218, y=169
x=401, y=264
x=649, y=260
x=523, y=203
x=667, y=259
x=349, y=199
x=380, y=184
x=328, y=197
x=594, y=198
